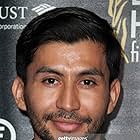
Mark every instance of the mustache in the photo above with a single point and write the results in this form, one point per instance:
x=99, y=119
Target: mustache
x=62, y=114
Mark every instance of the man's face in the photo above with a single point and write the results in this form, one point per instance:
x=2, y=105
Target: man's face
x=67, y=91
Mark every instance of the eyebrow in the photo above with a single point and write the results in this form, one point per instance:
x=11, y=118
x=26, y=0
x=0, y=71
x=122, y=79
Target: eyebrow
x=47, y=69
x=93, y=71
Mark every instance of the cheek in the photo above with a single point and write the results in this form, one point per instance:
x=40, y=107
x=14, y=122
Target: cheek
x=39, y=99
x=95, y=103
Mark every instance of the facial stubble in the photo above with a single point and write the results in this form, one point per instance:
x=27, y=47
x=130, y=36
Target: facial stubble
x=39, y=124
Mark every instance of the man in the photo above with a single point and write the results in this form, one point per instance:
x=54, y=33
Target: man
x=68, y=63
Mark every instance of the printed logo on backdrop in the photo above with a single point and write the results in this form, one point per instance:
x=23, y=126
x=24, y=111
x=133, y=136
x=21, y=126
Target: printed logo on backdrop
x=20, y=12
x=12, y=13
x=115, y=11
x=4, y=124
x=135, y=27
x=42, y=8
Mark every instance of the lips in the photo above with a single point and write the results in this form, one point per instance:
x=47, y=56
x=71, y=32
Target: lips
x=67, y=126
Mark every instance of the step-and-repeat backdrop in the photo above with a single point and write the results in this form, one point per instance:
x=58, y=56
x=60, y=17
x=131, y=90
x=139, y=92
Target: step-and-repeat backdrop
x=123, y=15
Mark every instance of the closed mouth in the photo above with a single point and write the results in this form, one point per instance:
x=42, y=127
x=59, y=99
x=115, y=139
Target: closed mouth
x=67, y=126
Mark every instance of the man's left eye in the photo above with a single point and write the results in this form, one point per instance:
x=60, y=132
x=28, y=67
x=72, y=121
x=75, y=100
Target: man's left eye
x=87, y=83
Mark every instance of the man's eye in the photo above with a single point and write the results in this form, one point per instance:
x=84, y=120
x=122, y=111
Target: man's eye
x=51, y=81
x=87, y=83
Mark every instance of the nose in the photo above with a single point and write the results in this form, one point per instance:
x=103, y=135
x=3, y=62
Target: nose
x=68, y=99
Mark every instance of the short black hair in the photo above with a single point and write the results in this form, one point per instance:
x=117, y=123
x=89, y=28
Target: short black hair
x=67, y=24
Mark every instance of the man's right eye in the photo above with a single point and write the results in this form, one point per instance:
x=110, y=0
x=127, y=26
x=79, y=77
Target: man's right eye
x=51, y=82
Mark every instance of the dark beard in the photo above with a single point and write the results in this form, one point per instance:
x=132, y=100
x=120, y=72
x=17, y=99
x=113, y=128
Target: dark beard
x=39, y=125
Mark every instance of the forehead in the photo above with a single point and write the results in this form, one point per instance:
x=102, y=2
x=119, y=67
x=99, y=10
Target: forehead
x=79, y=55
x=71, y=52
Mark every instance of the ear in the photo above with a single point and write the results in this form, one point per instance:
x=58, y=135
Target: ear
x=18, y=93
x=114, y=95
